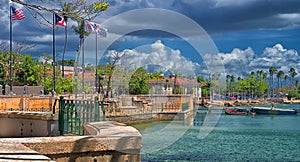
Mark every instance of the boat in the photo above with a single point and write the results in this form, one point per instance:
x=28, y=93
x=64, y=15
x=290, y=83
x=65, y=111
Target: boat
x=273, y=111
x=237, y=111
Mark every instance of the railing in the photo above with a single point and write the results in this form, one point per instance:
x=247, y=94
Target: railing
x=74, y=113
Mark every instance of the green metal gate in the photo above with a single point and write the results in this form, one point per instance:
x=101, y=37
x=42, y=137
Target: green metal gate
x=74, y=113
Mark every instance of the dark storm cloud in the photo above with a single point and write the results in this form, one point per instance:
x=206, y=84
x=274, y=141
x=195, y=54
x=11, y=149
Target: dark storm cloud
x=222, y=16
x=218, y=17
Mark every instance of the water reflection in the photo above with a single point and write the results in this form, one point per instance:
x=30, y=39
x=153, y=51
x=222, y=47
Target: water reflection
x=199, y=119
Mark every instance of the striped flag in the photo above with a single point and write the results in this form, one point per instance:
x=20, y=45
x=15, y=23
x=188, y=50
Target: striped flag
x=94, y=27
x=17, y=14
x=59, y=20
x=89, y=26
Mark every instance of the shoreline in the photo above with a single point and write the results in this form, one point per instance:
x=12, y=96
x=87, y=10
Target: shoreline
x=233, y=103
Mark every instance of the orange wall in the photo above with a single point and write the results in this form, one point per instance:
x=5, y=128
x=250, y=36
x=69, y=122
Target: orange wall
x=24, y=103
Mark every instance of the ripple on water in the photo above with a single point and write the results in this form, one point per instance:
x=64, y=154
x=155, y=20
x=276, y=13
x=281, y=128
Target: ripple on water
x=236, y=138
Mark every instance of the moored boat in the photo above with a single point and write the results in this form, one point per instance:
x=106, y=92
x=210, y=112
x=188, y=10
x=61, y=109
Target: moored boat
x=237, y=111
x=273, y=111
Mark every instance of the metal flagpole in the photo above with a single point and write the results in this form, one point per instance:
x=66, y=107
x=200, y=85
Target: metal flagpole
x=83, y=67
x=96, y=75
x=53, y=54
x=10, y=50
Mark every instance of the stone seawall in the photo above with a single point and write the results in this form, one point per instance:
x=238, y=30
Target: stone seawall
x=148, y=117
x=28, y=124
x=104, y=141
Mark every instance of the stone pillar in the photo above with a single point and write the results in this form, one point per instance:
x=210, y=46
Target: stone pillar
x=6, y=89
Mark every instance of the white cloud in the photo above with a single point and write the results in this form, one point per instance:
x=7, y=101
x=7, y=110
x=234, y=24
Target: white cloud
x=242, y=62
x=225, y=3
x=279, y=57
x=43, y=38
x=241, y=56
x=290, y=16
x=160, y=58
x=238, y=62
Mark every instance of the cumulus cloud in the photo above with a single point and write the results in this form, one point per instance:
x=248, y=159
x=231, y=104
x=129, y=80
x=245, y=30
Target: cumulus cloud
x=241, y=62
x=217, y=17
x=160, y=58
x=279, y=57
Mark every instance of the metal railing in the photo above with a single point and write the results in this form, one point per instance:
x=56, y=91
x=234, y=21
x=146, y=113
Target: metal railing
x=74, y=113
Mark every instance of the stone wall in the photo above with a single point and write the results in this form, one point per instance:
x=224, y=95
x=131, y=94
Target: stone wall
x=21, y=90
x=26, y=103
x=148, y=104
x=28, y=124
x=104, y=142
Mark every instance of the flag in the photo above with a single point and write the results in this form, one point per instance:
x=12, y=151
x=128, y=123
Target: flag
x=103, y=32
x=89, y=26
x=17, y=14
x=59, y=20
x=94, y=27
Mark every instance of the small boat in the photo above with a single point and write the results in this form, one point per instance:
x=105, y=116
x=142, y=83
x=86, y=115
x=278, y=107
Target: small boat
x=273, y=111
x=237, y=111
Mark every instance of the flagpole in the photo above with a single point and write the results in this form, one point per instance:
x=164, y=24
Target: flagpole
x=96, y=80
x=83, y=67
x=53, y=55
x=10, y=49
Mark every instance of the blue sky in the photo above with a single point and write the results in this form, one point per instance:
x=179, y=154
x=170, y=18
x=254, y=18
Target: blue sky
x=248, y=34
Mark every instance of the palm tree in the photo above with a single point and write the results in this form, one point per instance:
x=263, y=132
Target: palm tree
x=259, y=74
x=272, y=71
x=297, y=84
x=80, y=30
x=232, y=78
x=227, y=83
x=286, y=77
x=293, y=73
x=66, y=9
x=279, y=75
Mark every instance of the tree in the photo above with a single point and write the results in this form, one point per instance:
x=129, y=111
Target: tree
x=112, y=59
x=79, y=9
x=200, y=79
x=293, y=73
x=286, y=77
x=280, y=75
x=139, y=82
x=80, y=30
x=156, y=75
x=272, y=71
x=66, y=8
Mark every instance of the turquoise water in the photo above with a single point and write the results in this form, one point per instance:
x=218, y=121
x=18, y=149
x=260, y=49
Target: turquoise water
x=233, y=138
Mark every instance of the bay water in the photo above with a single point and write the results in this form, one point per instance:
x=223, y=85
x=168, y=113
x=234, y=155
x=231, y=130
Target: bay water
x=230, y=138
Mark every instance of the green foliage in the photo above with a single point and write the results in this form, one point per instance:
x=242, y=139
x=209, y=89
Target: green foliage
x=156, y=75
x=292, y=93
x=138, y=83
x=200, y=79
x=99, y=6
x=63, y=85
x=66, y=62
x=28, y=71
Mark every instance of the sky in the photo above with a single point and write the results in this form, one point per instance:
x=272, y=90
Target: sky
x=190, y=37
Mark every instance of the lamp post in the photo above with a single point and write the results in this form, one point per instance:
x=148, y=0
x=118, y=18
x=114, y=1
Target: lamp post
x=96, y=75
